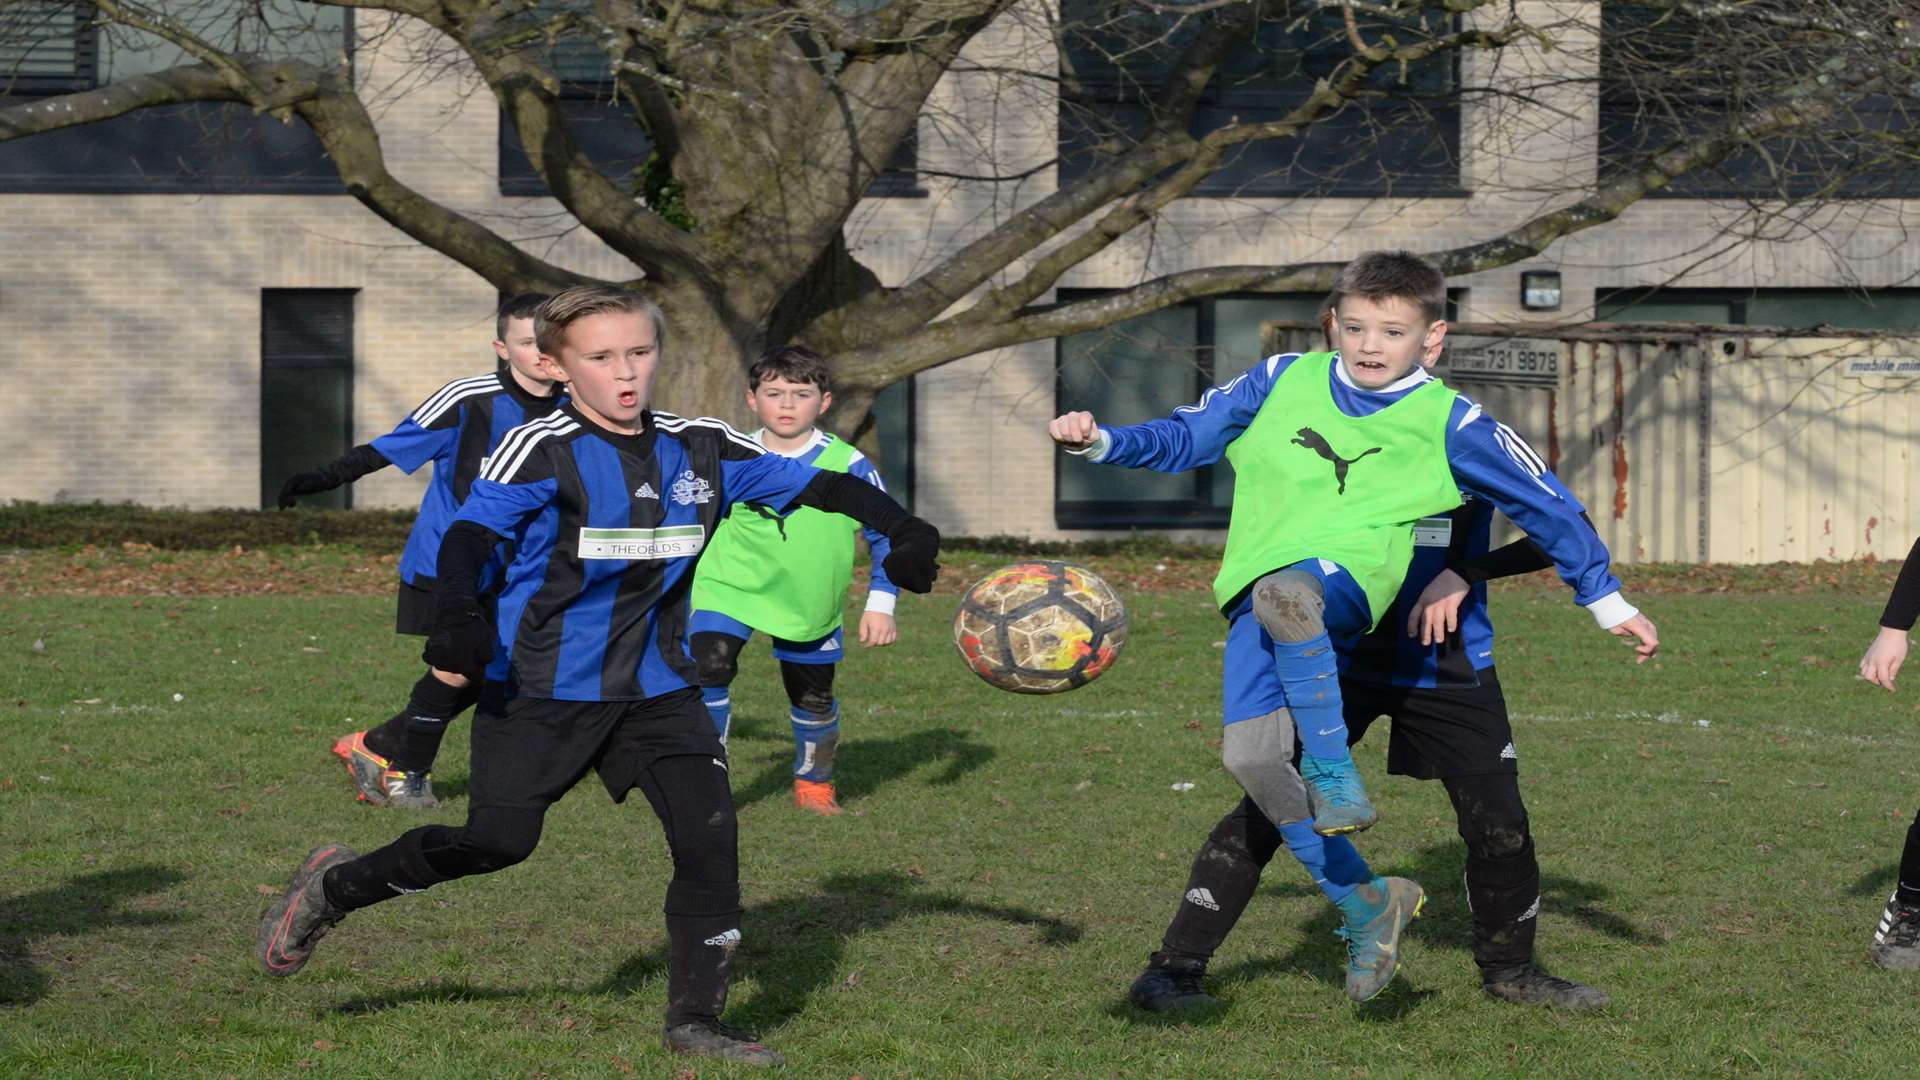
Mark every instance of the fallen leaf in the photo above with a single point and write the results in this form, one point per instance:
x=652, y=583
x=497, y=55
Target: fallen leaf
x=322, y=1044
x=267, y=890
x=568, y=1023
x=622, y=1064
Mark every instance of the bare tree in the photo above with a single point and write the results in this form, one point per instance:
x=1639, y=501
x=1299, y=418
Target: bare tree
x=771, y=121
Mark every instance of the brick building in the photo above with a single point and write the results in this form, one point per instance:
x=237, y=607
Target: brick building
x=192, y=304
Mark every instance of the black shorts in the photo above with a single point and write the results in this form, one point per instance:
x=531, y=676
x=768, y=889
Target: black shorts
x=415, y=614
x=1436, y=733
x=527, y=752
x=415, y=609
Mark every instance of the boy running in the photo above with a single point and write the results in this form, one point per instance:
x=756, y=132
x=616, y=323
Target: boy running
x=455, y=428
x=1337, y=455
x=608, y=505
x=1429, y=668
x=788, y=577
x=1896, y=941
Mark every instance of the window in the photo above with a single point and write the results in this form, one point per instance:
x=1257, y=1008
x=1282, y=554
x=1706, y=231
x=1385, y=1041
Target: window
x=895, y=426
x=1877, y=309
x=609, y=131
x=1116, y=55
x=306, y=387
x=1141, y=370
x=1666, y=76
x=52, y=48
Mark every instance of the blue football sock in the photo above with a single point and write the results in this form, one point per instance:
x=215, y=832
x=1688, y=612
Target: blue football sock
x=815, y=738
x=1333, y=861
x=719, y=706
x=1311, y=678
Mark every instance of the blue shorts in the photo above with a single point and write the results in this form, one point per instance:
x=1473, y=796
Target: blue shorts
x=1249, y=683
x=830, y=649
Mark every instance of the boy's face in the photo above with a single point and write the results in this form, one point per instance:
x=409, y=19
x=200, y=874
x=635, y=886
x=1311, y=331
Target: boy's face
x=1381, y=341
x=606, y=362
x=519, y=351
x=787, y=408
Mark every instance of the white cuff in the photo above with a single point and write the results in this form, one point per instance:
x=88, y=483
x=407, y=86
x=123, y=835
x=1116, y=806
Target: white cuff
x=1098, y=451
x=1611, y=610
x=880, y=601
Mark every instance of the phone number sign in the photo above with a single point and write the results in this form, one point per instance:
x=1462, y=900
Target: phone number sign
x=1523, y=361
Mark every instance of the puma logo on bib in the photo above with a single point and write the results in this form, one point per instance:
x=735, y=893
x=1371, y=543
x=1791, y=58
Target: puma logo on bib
x=1317, y=443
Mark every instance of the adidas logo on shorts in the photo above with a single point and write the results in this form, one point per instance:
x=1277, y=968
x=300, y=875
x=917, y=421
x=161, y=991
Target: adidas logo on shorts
x=1202, y=898
x=726, y=940
x=1507, y=753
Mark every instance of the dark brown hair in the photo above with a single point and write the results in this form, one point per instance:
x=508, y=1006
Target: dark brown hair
x=516, y=307
x=794, y=363
x=1394, y=275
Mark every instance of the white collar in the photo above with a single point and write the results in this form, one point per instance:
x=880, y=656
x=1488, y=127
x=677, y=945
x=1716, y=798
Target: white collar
x=819, y=439
x=1406, y=382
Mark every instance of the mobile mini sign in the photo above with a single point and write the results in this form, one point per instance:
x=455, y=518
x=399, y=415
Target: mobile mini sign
x=1515, y=360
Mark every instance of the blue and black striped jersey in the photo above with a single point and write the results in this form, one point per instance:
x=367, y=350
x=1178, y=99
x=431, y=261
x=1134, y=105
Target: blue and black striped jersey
x=455, y=428
x=606, y=529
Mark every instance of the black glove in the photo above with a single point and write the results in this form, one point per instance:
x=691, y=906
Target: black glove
x=304, y=483
x=912, y=563
x=461, y=641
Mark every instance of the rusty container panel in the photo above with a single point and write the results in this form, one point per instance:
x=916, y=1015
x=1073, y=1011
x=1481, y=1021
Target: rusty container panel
x=1812, y=448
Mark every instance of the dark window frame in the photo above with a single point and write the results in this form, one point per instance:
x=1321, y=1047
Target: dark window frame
x=1119, y=91
x=318, y=360
x=1196, y=512
x=1746, y=174
x=1736, y=299
x=166, y=121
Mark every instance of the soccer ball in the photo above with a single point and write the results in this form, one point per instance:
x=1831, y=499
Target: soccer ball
x=1040, y=627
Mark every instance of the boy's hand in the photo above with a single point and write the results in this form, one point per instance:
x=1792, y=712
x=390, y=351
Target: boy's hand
x=1436, y=613
x=914, y=561
x=304, y=483
x=460, y=642
x=1074, y=430
x=1882, y=663
x=878, y=628
x=1640, y=627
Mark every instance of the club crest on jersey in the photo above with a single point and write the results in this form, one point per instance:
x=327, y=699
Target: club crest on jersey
x=690, y=489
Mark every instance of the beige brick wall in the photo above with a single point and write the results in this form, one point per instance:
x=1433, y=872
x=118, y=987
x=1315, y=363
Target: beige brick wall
x=132, y=322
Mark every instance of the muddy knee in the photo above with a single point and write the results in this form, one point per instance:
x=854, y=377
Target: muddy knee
x=1258, y=753
x=1291, y=605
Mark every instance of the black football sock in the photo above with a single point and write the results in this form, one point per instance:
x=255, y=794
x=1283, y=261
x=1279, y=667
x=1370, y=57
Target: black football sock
x=1909, y=890
x=411, y=739
x=1225, y=874
x=1504, y=894
x=703, y=929
x=394, y=870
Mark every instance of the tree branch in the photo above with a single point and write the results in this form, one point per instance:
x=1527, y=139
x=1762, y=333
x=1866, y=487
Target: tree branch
x=341, y=121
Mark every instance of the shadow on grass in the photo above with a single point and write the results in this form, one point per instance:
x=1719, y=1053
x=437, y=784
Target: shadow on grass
x=793, y=947
x=1878, y=882
x=81, y=906
x=864, y=766
x=1320, y=955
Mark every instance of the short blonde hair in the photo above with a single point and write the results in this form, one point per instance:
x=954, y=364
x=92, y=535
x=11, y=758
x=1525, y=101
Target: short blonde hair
x=564, y=308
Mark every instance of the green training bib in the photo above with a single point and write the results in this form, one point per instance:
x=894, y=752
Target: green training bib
x=1312, y=482
x=787, y=578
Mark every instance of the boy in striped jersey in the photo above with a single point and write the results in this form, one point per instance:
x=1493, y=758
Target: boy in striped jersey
x=788, y=578
x=608, y=505
x=455, y=429
x=1337, y=454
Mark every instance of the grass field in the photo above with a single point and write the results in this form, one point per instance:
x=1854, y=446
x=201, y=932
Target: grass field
x=1718, y=833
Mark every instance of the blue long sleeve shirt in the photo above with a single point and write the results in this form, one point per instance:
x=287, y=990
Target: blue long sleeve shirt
x=1489, y=461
